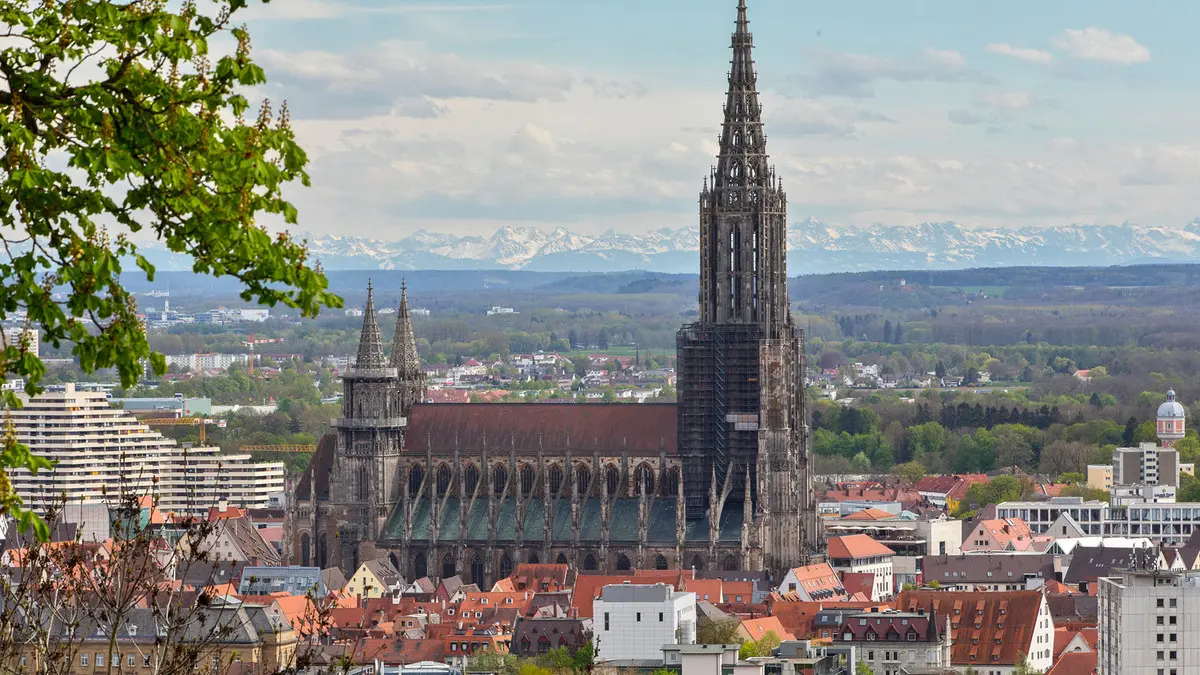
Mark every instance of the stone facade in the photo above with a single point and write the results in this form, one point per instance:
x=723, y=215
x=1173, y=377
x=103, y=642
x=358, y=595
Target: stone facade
x=719, y=481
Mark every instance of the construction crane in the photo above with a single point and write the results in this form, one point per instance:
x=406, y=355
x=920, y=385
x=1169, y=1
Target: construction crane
x=279, y=448
x=201, y=422
x=262, y=341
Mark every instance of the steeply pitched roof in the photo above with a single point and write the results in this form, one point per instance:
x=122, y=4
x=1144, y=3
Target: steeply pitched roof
x=859, y=582
x=856, y=546
x=1089, y=563
x=314, y=483
x=584, y=427
x=1076, y=663
x=589, y=586
x=757, y=629
x=987, y=568
x=891, y=627
x=989, y=628
x=370, y=342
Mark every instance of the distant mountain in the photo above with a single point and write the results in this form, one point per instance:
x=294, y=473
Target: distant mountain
x=813, y=247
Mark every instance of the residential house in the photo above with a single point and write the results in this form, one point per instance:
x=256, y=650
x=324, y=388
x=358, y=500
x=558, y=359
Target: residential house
x=816, y=582
x=754, y=630
x=892, y=642
x=989, y=571
x=947, y=492
x=1009, y=534
x=860, y=553
x=538, y=636
x=375, y=579
x=993, y=631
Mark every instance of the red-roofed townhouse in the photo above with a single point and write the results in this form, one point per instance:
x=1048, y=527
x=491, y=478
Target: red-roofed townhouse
x=813, y=583
x=896, y=642
x=859, y=553
x=1008, y=534
x=1076, y=663
x=754, y=630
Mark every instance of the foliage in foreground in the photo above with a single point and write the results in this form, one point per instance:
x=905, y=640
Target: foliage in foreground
x=118, y=122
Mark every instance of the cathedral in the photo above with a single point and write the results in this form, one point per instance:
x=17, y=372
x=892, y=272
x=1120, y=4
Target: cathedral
x=720, y=480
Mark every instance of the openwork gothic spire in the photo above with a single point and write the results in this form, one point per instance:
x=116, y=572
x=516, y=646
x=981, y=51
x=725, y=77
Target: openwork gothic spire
x=404, y=342
x=743, y=211
x=370, y=344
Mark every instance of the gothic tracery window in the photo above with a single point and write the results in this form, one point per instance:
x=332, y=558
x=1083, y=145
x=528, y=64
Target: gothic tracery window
x=589, y=562
x=416, y=476
x=528, y=477
x=499, y=479
x=470, y=479
x=444, y=478
x=612, y=480
x=623, y=563
x=583, y=479
x=644, y=476
x=556, y=480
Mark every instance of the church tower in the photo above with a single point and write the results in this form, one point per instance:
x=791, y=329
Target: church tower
x=412, y=387
x=741, y=366
x=364, y=483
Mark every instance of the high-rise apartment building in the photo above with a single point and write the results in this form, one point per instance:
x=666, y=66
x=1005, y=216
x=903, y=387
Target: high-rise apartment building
x=101, y=453
x=1149, y=623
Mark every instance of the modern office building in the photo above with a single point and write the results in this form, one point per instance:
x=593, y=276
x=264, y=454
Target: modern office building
x=102, y=453
x=1149, y=623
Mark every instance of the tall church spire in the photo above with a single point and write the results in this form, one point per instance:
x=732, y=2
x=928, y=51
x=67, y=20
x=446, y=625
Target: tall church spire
x=404, y=342
x=405, y=358
x=743, y=213
x=370, y=344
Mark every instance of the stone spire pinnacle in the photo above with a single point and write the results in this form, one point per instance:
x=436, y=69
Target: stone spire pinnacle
x=370, y=344
x=404, y=343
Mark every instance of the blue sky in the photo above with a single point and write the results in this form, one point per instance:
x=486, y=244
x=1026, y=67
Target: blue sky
x=599, y=114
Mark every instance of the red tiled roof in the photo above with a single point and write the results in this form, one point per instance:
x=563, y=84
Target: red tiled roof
x=856, y=546
x=449, y=396
x=890, y=628
x=1076, y=663
x=859, y=582
x=995, y=627
x=397, y=652
x=647, y=427
x=756, y=629
x=870, y=514
x=588, y=586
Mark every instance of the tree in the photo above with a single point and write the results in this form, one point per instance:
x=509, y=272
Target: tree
x=760, y=647
x=911, y=472
x=898, y=335
x=710, y=632
x=887, y=331
x=156, y=141
x=940, y=370
x=863, y=669
x=1061, y=457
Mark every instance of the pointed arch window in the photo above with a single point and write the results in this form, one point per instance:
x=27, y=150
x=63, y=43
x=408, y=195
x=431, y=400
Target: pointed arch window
x=583, y=479
x=499, y=479
x=470, y=479
x=305, y=549
x=477, y=570
x=623, y=563
x=660, y=562
x=364, y=486
x=506, y=566
x=528, y=477
x=698, y=563
x=731, y=563
x=671, y=481
x=556, y=480
x=420, y=567
x=416, y=476
x=612, y=480
x=589, y=562
x=644, y=475
x=562, y=559
x=444, y=478
x=449, y=569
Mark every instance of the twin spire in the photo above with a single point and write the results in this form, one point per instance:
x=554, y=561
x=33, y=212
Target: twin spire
x=404, y=343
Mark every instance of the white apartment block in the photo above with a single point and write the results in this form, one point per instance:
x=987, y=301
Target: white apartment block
x=1149, y=623
x=102, y=453
x=13, y=336
x=201, y=362
x=632, y=622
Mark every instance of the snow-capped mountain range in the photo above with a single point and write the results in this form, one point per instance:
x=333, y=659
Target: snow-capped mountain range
x=813, y=247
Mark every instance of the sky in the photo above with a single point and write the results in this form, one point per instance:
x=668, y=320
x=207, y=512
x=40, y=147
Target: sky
x=603, y=114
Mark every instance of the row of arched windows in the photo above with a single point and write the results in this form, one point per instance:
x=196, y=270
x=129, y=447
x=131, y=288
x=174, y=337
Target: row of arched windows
x=527, y=474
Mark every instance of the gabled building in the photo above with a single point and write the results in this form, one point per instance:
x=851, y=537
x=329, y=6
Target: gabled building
x=816, y=582
x=992, y=632
x=1010, y=534
x=860, y=553
x=375, y=579
x=898, y=642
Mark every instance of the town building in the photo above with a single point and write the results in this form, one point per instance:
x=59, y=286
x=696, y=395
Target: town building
x=1170, y=420
x=290, y=579
x=990, y=571
x=860, y=554
x=1009, y=534
x=814, y=583
x=910, y=540
x=632, y=622
x=104, y=454
x=15, y=337
x=993, y=632
x=1149, y=623
x=893, y=642
x=721, y=480
x=375, y=579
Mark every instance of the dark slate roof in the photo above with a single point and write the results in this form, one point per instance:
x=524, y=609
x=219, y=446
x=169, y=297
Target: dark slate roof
x=1073, y=607
x=318, y=471
x=889, y=627
x=623, y=522
x=1088, y=563
x=987, y=568
x=643, y=428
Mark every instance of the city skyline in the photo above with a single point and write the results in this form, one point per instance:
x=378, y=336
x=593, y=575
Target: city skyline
x=467, y=116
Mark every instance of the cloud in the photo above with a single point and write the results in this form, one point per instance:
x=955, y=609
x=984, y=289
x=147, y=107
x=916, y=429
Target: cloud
x=1097, y=44
x=303, y=10
x=946, y=57
x=1008, y=100
x=812, y=118
x=855, y=75
x=964, y=116
x=1022, y=53
x=402, y=76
